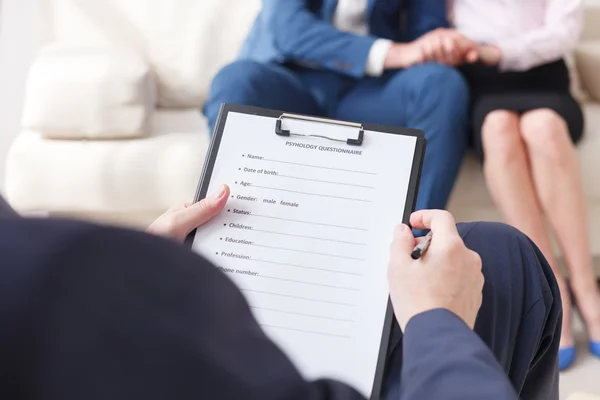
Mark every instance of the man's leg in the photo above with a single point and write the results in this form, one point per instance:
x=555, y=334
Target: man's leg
x=261, y=85
x=431, y=97
x=520, y=317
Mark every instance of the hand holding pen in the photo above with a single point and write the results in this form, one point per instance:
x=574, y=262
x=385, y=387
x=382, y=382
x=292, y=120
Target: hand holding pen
x=446, y=275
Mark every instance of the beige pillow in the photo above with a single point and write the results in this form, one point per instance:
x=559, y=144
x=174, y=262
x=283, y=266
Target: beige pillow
x=587, y=59
x=77, y=92
x=577, y=90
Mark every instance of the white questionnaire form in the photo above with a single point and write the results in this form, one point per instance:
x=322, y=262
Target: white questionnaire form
x=305, y=236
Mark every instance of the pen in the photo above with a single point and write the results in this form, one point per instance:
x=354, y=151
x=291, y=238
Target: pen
x=422, y=247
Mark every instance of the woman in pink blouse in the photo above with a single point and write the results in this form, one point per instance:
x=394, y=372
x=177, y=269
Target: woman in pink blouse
x=525, y=123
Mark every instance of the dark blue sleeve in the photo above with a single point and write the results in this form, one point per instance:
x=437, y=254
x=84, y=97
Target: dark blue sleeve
x=444, y=359
x=300, y=35
x=101, y=313
x=426, y=15
x=111, y=314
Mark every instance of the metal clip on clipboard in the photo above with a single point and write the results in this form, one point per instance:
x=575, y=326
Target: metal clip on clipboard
x=350, y=141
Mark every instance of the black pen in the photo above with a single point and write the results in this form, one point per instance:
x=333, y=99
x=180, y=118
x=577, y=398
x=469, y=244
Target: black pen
x=422, y=247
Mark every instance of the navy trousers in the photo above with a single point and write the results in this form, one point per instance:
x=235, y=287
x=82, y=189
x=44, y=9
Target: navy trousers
x=521, y=313
x=430, y=97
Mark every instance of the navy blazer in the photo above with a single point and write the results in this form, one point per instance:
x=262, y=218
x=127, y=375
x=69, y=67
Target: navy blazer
x=301, y=31
x=91, y=313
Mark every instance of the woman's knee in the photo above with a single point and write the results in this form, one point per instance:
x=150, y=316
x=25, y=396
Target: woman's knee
x=547, y=136
x=500, y=135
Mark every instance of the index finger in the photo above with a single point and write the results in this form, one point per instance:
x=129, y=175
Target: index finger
x=440, y=222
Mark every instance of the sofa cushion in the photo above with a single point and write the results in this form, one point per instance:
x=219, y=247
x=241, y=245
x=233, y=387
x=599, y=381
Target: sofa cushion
x=186, y=41
x=577, y=89
x=588, y=64
x=89, y=93
x=135, y=175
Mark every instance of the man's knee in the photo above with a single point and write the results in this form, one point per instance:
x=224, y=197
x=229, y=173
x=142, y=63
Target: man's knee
x=238, y=76
x=438, y=83
x=494, y=239
x=512, y=264
x=240, y=82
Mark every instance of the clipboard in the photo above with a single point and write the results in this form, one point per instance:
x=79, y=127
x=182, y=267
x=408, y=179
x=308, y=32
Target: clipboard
x=358, y=136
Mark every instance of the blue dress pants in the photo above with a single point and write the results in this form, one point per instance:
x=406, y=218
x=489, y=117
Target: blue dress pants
x=430, y=97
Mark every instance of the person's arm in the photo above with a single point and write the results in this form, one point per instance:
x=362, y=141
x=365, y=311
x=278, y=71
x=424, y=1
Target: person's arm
x=436, y=300
x=107, y=313
x=114, y=314
x=300, y=35
x=558, y=36
x=444, y=359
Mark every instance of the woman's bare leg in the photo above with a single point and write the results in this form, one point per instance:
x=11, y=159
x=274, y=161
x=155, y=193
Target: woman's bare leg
x=557, y=179
x=508, y=176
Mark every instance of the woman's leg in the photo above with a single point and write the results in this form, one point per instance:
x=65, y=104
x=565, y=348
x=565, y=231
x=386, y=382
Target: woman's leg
x=557, y=178
x=508, y=176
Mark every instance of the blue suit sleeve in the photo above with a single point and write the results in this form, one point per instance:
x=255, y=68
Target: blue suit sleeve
x=444, y=359
x=426, y=15
x=300, y=35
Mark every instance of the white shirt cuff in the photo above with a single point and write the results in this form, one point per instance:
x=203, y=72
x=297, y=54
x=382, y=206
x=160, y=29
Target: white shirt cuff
x=377, y=56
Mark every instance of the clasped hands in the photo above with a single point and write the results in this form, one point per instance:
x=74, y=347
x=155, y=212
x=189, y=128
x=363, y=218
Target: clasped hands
x=448, y=277
x=445, y=46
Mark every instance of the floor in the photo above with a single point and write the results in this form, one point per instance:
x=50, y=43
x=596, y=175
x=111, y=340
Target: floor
x=584, y=376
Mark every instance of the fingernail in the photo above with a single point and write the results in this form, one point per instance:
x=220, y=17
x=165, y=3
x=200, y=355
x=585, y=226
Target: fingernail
x=220, y=192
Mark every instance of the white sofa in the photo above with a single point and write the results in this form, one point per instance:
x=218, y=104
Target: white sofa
x=112, y=129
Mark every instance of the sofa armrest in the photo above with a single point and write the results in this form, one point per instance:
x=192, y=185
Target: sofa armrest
x=587, y=59
x=89, y=93
x=583, y=396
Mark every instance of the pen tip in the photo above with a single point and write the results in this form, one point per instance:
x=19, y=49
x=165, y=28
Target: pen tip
x=416, y=254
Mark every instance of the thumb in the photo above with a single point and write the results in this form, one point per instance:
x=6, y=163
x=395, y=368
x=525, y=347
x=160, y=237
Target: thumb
x=203, y=211
x=472, y=56
x=404, y=241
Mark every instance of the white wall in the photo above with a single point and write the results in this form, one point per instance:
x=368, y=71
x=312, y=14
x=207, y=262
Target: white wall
x=18, y=46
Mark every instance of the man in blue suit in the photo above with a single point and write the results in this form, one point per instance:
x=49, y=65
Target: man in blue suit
x=90, y=312
x=372, y=61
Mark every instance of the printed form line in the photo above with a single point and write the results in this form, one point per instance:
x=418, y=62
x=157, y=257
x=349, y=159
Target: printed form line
x=298, y=297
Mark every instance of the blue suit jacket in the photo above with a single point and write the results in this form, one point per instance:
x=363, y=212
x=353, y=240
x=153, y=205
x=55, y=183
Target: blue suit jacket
x=98, y=313
x=301, y=31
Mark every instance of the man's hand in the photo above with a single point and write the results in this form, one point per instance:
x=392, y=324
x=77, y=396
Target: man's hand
x=445, y=46
x=178, y=222
x=448, y=276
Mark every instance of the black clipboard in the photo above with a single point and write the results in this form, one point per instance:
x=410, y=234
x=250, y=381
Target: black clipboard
x=387, y=339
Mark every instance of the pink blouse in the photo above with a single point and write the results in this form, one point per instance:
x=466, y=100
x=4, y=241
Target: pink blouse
x=529, y=32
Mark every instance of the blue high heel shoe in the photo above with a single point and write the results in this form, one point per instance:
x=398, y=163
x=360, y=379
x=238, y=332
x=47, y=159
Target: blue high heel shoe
x=595, y=348
x=566, y=357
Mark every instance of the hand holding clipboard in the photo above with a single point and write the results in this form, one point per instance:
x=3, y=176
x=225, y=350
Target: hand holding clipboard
x=306, y=230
